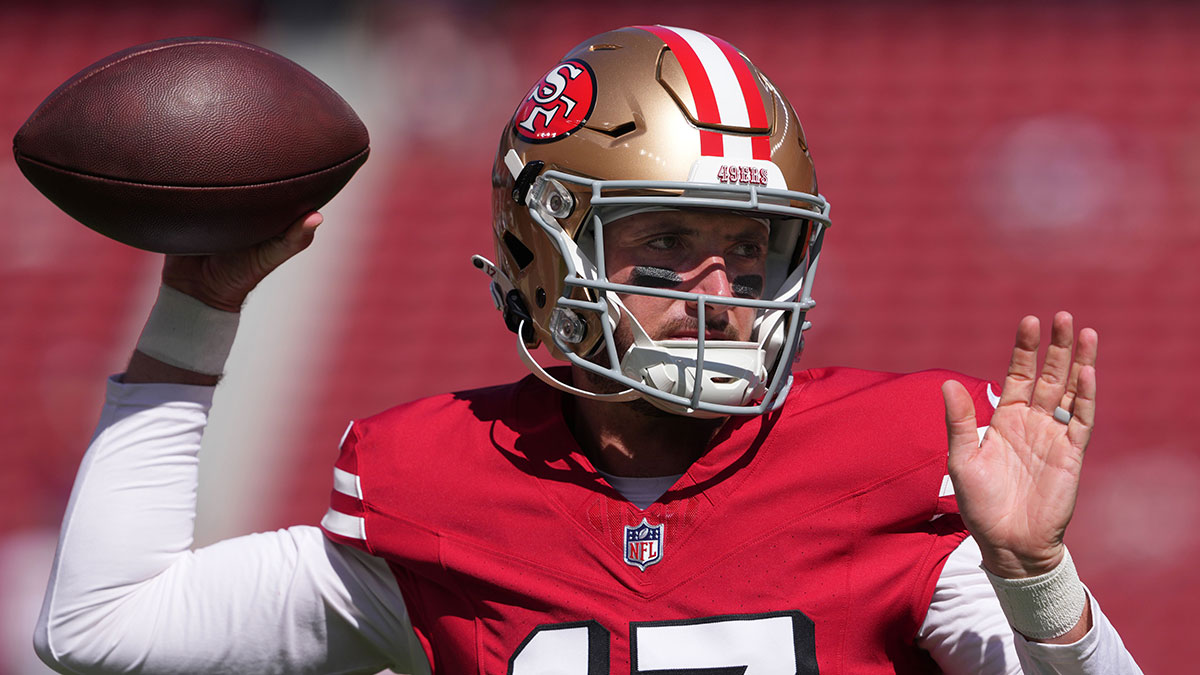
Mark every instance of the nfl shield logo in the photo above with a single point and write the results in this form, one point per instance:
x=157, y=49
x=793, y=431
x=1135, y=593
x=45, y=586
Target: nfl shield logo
x=643, y=544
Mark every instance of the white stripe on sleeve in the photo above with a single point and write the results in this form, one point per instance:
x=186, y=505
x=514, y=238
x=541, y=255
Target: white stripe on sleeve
x=347, y=483
x=947, y=487
x=351, y=527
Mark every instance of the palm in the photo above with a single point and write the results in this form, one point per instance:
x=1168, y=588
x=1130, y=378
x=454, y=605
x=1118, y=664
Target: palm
x=1016, y=490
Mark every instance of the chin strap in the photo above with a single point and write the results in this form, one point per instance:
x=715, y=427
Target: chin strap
x=500, y=286
x=536, y=368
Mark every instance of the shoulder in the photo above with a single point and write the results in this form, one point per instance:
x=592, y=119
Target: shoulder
x=873, y=424
x=434, y=413
x=514, y=405
x=433, y=435
x=884, y=394
x=420, y=454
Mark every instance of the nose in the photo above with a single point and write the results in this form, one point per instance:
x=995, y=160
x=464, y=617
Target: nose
x=711, y=278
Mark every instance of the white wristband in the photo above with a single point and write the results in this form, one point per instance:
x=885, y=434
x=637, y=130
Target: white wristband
x=186, y=333
x=1045, y=606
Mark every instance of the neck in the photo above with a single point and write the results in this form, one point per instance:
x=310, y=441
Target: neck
x=636, y=439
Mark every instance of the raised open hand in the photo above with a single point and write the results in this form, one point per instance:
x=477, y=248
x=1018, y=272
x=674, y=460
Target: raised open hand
x=1016, y=489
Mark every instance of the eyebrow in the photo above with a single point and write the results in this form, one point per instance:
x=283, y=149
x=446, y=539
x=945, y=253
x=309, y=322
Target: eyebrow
x=676, y=225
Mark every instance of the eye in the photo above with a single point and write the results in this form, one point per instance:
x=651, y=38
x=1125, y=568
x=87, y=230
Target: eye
x=666, y=242
x=749, y=250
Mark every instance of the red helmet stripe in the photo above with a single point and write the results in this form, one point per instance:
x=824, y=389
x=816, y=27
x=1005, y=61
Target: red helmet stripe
x=711, y=143
x=754, y=106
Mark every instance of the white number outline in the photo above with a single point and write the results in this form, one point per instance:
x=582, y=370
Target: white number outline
x=597, y=645
x=804, y=651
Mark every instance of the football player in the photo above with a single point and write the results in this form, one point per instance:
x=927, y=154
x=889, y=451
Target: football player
x=675, y=499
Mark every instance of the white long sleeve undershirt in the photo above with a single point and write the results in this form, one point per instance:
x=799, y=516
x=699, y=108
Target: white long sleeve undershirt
x=127, y=593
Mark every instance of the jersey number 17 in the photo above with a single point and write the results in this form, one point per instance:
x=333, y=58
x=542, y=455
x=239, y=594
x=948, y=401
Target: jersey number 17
x=780, y=643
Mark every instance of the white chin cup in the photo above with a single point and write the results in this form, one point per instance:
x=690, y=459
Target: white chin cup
x=733, y=373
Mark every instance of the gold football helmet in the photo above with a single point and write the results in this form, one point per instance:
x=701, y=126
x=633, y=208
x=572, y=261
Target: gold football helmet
x=651, y=118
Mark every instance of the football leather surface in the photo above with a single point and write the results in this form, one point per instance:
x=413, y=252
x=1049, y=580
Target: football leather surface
x=191, y=145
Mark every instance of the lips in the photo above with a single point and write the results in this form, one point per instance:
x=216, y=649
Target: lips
x=689, y=329
x=694, y=335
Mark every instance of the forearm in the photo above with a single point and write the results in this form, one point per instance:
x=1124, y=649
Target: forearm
x=129, y=519
x=145, y=369
x=1099, y=651
x=966, y=631
x=126, y=592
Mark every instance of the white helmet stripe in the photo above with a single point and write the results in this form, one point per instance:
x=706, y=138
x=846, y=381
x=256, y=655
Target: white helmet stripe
x=707, y=111
x=731, y=103
x=721, y=84
x=751, y=95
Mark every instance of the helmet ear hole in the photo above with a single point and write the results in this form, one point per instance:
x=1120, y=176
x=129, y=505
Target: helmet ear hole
x=520, y=252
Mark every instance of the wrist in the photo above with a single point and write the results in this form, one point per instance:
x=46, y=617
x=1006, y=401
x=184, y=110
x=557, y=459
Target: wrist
x=201, y=293
x=1006, y=564
x=1044, y=606
x=188, y=334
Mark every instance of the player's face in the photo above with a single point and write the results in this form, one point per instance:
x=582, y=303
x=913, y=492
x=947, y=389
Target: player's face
x=709, y=252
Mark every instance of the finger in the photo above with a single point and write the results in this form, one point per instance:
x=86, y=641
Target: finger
x=1022, y=370
x=1079, y=430
x=1086, y=349
x=1052, y=383
x=962, y=438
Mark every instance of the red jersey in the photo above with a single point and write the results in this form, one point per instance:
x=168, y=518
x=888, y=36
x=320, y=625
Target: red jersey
x=811, y=536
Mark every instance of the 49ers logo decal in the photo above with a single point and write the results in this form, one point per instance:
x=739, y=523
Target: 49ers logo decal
x=755, y=175
x=558, y=104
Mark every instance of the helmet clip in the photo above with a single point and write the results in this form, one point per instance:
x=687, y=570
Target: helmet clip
x=517, y=317
x=525, y=180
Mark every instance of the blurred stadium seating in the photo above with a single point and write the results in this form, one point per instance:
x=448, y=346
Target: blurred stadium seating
x=984, y=161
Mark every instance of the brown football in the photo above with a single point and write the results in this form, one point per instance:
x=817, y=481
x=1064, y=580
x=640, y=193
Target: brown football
x=191, y=145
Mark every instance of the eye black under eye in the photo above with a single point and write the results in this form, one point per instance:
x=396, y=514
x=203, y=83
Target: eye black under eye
x=747, y=285
x=654, y=277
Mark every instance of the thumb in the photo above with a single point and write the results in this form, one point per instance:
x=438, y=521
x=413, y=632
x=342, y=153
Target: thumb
x=961, y=431
x=276, y=251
